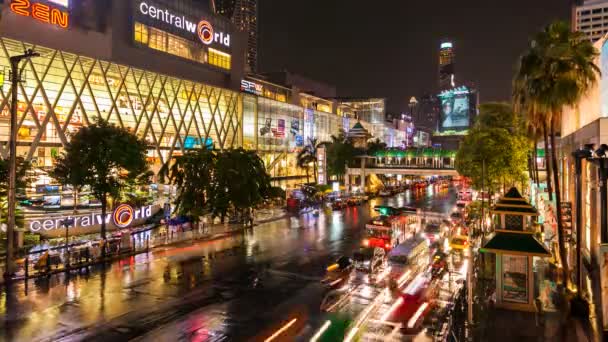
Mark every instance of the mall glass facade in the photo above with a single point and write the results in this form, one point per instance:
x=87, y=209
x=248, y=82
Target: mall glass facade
x=62, y=92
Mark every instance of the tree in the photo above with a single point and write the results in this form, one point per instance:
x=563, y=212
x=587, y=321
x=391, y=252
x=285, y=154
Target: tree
x=103, y=157
x=496, y=128
x=308, y=156
x=22, y=182
x=556, y=71
x=192, y=173
x=340, y=152
x=304, y=160
x=240, y=180
x=375, y=146
x=69, y=174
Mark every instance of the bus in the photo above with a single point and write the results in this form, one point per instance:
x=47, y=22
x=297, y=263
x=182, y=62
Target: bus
x=379, y=232
x=413, y=253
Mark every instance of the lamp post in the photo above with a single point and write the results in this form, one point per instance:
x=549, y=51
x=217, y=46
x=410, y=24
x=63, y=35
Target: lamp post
x=12, y=173
x=578, y=156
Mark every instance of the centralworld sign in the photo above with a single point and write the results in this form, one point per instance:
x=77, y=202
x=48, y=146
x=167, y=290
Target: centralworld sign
x=202, y=28
x=122, y=217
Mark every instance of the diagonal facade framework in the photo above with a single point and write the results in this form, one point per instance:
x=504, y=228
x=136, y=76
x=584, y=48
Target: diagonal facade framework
x=62, y=92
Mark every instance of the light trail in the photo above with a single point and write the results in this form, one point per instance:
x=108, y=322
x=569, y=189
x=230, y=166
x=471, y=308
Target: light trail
x=321, y=331
x=404, y=278
x=282, y=330
x=414, y=319
x=351, y=334
x=415, y=285
x=392, y=309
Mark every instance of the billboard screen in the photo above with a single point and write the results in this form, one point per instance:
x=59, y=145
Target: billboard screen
x=455, y=109
x=604, y=79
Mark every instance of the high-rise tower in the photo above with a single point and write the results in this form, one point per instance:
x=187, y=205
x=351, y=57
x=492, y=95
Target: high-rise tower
x=591, y=18
x=244, y=14
x=446, y=65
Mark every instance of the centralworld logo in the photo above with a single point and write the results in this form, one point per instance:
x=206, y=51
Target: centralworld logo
x=205, y=32
x=123, y=215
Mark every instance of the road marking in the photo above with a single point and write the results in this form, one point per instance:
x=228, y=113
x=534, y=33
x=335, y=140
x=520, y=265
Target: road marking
x=321, y=331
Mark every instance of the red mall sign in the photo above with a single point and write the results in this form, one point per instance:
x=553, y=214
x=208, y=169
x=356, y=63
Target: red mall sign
x=41, y=12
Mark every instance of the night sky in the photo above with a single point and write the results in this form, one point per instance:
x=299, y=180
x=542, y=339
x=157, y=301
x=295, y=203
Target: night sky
x=389, y=48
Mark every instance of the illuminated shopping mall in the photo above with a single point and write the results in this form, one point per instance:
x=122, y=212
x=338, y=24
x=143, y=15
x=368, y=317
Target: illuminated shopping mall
x=169, y=71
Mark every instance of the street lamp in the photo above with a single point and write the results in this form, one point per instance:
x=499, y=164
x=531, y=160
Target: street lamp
x=12, y=174
x=579, y=155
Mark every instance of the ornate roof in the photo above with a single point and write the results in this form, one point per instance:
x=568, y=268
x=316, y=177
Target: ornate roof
x=358, y=131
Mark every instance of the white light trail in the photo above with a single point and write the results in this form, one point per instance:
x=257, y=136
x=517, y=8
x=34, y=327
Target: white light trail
x=414, y=319
x=404, y=278
x=415, y=285
x=282, y=330
x=392, y=309
x=321, y=331
x=351, y=334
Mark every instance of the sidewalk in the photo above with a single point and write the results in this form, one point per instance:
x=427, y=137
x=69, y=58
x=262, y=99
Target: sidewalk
x=141, y=241
x=531, y=327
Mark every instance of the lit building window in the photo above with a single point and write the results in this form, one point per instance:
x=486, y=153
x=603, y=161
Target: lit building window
x=163, y=41
x=219, y=59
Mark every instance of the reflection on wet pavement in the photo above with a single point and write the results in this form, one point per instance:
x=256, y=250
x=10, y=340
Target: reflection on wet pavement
x=233, y=288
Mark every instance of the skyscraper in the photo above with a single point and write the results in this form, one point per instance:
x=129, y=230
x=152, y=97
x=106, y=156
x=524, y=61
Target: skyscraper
x=244, y=14
x=591, y=18
x=446, y=65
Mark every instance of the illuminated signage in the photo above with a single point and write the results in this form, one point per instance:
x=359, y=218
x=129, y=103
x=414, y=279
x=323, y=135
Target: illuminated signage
x=41, y=12
x=122, y=217
x=446, y=45
x=321, y=167
x=252, y=87
x=203, y=29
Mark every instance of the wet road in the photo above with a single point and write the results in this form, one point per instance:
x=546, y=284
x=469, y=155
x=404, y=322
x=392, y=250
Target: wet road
x=230, y=289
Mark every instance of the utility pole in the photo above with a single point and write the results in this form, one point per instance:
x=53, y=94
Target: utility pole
x=12, y=174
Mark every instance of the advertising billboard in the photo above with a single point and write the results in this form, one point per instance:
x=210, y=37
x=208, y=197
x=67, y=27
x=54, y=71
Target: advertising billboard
x=604, y=79
x=456, y=109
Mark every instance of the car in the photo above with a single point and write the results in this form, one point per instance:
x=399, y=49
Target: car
x=384, y=193
x=460, y=205
x=338, y=273
x=369, y=259
x=338, y=205
x=459, y=242
x=433, y=232
x=456, y=217
x=354, y=201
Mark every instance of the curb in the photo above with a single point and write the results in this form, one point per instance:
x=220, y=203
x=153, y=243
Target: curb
x=118, y=257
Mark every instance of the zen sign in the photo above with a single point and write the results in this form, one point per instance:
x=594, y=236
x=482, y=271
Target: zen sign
x=49, y=14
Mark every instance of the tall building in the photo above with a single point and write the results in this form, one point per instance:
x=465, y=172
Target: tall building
x=244, y=14
x=446, y=65
x=591, y=18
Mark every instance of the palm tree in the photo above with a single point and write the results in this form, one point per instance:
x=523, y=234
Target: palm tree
x=556, y=71
x=308, y=155
x=304, y=159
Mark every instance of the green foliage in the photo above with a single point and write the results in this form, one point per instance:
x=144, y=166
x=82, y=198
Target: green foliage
x=340, y=152
x=215, y=182
x=105, y=158
x=375, y=146
x=240, y=180
x=503, y=147
x=557, y=70
x=192, y=174
x=308, y=156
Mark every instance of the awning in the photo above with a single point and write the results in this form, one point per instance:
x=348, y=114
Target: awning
x=521, y=243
